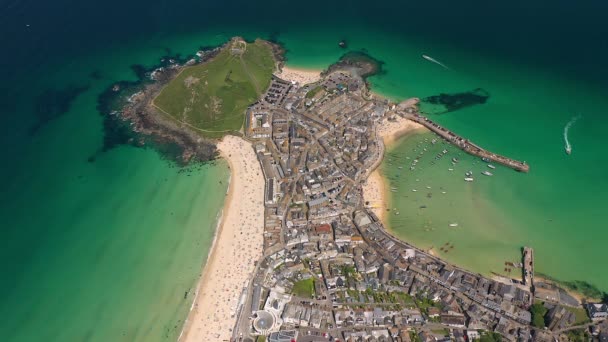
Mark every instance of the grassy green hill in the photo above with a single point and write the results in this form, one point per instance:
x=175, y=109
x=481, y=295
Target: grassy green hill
x=213, y=96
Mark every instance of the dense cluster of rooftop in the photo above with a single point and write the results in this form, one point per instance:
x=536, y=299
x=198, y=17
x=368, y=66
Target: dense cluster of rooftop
x=329, y=269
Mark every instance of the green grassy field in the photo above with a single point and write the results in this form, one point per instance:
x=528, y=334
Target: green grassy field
x=304, y=288
x=581, y=315
x=213, y=96
x=313, y=92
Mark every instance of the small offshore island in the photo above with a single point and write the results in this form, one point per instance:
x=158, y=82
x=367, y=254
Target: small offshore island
x=300, y=252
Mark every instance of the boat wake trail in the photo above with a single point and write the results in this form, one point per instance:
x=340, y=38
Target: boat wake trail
x=433, y=60
x=566, y=129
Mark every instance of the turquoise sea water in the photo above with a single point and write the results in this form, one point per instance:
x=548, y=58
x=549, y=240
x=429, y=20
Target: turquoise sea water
x=106, y=250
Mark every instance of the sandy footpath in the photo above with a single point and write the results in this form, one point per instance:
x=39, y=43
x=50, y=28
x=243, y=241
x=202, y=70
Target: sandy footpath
x=301, y=76
x=375, y=189
x=238, y=244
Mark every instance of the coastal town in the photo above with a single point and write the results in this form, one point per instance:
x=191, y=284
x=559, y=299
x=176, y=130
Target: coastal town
x=329, y=269
x=302, y=251
x=319, y=171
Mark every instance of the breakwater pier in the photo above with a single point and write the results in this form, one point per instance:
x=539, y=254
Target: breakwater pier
x=528, y=266
x=466, y=145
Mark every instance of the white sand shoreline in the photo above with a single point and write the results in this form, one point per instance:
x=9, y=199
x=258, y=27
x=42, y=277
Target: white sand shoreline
x=299, y=75
x=218, y=228
x=238, y=238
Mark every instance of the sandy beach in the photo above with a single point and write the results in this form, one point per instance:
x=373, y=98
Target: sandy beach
x=301, y=76
x=375, y=189
x=237, y=245
x=391, y=131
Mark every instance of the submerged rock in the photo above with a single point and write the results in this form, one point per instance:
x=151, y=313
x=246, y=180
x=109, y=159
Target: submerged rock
x=53, y=103
x=455, y=101
x=364, y=63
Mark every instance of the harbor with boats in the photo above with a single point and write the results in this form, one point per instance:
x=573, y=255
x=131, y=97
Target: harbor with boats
x=432, y=188
x=466, y=145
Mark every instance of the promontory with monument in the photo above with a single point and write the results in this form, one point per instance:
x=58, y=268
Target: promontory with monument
x=303, y=251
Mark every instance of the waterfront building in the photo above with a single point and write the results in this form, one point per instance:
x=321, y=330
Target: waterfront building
x=598, y=311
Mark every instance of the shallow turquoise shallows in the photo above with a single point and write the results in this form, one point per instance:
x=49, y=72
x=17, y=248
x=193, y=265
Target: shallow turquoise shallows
x=109, y=249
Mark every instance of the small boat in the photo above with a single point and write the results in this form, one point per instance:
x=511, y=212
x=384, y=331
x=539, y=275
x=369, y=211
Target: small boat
x=400, y=167
x=450, y=169
x=487, y=173
x=433, y=60
x=396, y=213
x=428, y=187
x=491, y=166
x=455, y=160
x=468, y=173
x=414, y=190
x=469, y=179
x=568, y=147
x=453, y=224
x=393, y=188
x=486, y=160
x=443, y=192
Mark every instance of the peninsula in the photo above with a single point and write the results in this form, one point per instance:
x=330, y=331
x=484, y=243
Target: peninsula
x=300, y=254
